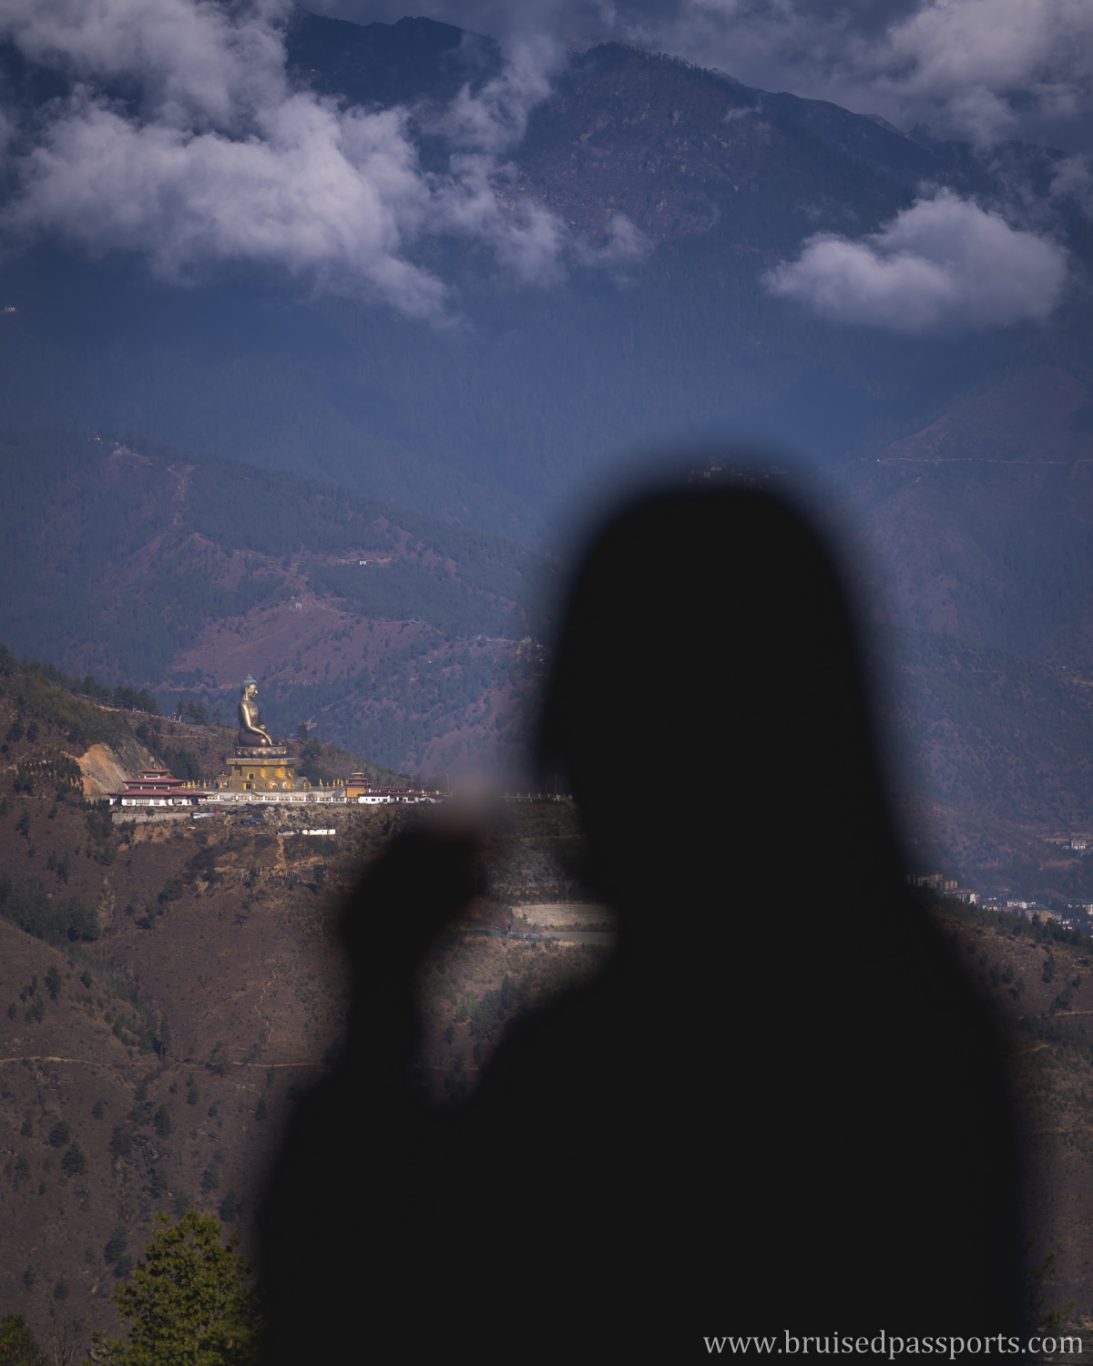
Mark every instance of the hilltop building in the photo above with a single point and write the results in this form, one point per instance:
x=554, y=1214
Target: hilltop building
x=157, y=787
x=360, y=791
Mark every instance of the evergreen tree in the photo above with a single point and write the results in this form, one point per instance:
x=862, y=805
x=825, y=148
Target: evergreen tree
x=17, y=1344
x=74, y=1163
x=189, y=1301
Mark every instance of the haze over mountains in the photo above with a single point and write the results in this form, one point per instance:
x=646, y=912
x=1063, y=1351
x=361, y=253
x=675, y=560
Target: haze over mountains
x=571, y=265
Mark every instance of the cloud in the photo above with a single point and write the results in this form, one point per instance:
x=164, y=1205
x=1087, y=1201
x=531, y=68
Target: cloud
x=192, y=59
x=333, y=194
x=494, y=118
x=526, y=238
x=943, y=264
x=185, y=141
x=988, y=62
x=1073, y=180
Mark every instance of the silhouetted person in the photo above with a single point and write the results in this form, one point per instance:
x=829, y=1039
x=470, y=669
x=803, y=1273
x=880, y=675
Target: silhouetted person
x=781, y=1106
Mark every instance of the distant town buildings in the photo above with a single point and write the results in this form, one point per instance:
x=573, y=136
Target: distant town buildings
x=1080, y=844
x=1076, y=914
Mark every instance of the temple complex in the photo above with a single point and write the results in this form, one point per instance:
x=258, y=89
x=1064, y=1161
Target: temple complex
x=259, y=771
x=158, y=787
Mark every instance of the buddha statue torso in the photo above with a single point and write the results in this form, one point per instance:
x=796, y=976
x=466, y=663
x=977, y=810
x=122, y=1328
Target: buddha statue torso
x=251, y=731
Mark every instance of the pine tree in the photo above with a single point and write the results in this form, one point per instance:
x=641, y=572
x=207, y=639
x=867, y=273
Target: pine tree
x=74, y=1163
x=17, y=1344
x=189, y=1301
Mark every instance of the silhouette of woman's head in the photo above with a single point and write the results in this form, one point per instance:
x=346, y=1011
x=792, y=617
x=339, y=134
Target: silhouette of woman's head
x=708, y=697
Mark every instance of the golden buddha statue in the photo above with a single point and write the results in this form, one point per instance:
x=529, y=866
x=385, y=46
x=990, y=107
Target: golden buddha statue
x=251, y=731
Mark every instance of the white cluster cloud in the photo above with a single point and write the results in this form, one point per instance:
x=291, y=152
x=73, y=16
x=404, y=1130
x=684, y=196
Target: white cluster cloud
x=328, y=193
x=214, y=157
x=980, y=56
x=945, y=263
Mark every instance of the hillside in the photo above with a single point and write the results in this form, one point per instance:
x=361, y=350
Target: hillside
x=167, y=987
x=980, y=519
x=979, y=542
x=402, y=640
x=425, y=657
x=1038, y=977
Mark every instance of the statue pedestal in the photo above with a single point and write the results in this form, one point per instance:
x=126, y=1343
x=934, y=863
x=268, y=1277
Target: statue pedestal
x=260, y=768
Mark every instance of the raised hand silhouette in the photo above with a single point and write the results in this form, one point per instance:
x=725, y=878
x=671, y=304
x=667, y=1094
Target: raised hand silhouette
x=352, y=1195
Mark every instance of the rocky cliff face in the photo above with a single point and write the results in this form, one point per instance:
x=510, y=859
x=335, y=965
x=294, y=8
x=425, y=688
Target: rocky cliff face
x=106, y=767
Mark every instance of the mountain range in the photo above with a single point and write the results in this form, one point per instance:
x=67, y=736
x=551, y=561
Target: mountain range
x=498, y=418
x=197, y=470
